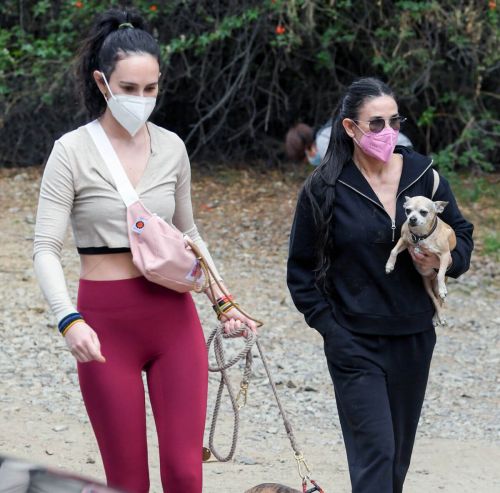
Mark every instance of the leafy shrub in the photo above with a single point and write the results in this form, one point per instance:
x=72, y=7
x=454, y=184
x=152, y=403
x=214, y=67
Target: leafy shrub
x=492, y=244
x=238, y=74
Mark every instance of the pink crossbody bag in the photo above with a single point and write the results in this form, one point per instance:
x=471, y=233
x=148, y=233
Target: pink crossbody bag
x=159, y=251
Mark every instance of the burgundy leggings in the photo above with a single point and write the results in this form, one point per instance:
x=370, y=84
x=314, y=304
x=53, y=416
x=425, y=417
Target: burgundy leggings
x=145, y=327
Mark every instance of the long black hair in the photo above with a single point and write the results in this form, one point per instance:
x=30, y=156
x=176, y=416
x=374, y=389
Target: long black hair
x=320, y=185
x=114, y=34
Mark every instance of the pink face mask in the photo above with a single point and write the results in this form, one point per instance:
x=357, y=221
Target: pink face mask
x=379, y=145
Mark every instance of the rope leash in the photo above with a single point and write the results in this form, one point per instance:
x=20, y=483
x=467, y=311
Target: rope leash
x=216, y=338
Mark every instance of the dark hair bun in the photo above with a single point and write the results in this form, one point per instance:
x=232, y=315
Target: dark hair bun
x=299, y=138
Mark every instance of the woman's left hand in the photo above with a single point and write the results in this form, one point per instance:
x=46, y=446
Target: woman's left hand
x=234, y=319
x=424, y=258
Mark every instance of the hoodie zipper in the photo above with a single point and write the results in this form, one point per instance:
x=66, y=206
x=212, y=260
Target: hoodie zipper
x=393, y=221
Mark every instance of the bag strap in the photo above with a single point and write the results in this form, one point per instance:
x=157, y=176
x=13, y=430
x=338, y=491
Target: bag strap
x=108, y=154
x=436, y=183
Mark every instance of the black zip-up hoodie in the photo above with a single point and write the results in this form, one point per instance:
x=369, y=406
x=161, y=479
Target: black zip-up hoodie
x=365, y=298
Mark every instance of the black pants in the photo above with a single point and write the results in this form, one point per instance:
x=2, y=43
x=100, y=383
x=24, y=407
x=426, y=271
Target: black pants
x=379, y=384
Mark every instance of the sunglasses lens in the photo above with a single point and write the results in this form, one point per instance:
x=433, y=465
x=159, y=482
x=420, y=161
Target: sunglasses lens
x=395, y=122
x=377, y=125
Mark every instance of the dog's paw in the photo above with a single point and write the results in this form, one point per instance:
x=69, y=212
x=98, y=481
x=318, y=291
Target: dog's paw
x=442, y=293
x=389, y=268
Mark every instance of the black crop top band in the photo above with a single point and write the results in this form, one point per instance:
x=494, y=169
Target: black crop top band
x=101, y=250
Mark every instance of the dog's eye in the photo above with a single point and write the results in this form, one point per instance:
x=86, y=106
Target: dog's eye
x=423, y=213
x=407, y=212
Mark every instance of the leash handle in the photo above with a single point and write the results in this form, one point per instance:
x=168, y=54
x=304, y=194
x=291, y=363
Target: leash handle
x=216, y=338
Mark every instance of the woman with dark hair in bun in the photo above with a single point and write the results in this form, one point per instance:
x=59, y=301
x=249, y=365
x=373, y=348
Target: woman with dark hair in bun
x=124, y=324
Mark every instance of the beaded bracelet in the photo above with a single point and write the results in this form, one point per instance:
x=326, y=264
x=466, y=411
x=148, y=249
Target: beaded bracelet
x=220, y=315
x=224, y=299
x=223, y=309
x=223, y=304
x=68, y=321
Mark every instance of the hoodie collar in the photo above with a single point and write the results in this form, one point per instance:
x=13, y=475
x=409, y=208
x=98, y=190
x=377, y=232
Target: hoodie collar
x=414, y=166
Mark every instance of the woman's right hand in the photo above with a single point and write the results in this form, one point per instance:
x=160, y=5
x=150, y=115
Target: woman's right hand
x=84, y=343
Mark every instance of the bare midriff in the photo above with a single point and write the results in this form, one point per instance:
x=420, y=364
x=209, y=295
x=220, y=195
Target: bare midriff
x=108, y=267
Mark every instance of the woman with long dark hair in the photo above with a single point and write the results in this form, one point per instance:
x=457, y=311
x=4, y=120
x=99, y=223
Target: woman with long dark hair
x=125, y=324
x=377, y=328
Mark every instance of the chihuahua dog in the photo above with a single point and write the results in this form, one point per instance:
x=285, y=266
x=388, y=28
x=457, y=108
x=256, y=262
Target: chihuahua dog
x=424, y=228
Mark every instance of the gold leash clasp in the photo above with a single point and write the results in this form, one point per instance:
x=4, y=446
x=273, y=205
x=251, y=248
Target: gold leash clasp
x=243, y=393
x=302, y=466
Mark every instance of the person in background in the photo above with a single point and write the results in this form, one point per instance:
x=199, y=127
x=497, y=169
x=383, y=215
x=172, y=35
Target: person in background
x=302, y=142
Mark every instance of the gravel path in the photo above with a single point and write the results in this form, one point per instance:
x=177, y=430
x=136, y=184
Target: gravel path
x=458, y=442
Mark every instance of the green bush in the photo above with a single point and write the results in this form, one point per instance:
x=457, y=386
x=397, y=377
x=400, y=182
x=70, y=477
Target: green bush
x=238, y=74
x=492, y=244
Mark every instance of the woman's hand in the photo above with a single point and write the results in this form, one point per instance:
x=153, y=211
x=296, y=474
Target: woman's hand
x=84, y=343
x=424, y=258
x=234, y=319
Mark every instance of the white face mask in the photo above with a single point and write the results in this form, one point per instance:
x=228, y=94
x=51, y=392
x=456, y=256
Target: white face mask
x=131, y=112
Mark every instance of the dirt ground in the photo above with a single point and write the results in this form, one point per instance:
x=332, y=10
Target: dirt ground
x=42, y=416
x=439, y=465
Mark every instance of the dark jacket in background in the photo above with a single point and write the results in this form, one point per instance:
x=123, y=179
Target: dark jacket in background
x=365, y=298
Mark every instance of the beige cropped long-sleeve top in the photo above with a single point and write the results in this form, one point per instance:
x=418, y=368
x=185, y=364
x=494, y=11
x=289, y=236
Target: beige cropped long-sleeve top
x=76, y=184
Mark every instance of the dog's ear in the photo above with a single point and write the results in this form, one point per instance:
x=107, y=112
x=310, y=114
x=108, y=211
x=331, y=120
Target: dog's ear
x=440, y=205
x=406, y=200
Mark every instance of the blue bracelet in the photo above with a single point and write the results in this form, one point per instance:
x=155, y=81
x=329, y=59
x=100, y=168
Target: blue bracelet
x=68, y=320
